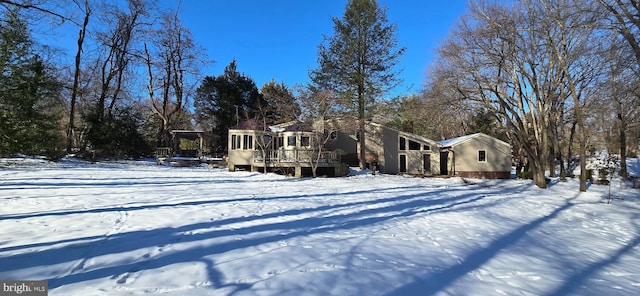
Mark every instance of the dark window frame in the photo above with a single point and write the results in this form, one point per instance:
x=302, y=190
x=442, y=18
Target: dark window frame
x=482, y=155
x=305, y=141
x=414, y=146
x=234, y=145
x=291, y=141
x=247, y=142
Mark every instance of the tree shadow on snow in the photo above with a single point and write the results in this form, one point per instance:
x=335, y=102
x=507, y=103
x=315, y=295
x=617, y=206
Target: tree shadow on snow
x=439, y=281
x=217, y=237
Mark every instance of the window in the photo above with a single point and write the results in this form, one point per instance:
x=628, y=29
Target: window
x=266, y=140
x=305, y=142
x=426, y=148
x=403, y=143
x=291, y=141
x=482, y=156
x=333, y=135
x=247, y=142
x=414, y=145
x=235, y=142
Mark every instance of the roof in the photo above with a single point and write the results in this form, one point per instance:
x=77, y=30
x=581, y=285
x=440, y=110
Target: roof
x=252, y=124
x=258, y=125
x=299, y=127
x=458, y=140
x=405, y=134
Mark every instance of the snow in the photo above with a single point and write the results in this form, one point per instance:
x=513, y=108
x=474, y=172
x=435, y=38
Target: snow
x=633, y=167
x=136, y=228
x=455, y=141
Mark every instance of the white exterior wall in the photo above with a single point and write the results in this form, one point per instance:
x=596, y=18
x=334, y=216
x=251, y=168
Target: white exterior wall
x=241, y=155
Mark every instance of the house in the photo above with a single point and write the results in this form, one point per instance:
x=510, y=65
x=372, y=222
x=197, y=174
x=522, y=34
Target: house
x=289, y=148
x=475, y=156
x=390, y=150
x=295, y=148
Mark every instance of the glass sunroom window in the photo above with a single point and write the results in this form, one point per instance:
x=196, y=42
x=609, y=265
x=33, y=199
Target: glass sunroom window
x=247, y=142
x=305, y=141
x=291, y=141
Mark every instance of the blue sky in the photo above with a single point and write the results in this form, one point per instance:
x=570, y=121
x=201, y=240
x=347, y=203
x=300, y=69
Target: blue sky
x=278, y=39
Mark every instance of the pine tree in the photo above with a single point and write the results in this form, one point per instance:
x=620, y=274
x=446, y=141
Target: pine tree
x=29, y=93
x=281, y=100
x=225, y=100
x=358, y=60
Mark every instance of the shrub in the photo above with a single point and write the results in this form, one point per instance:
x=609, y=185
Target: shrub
x=528, y=175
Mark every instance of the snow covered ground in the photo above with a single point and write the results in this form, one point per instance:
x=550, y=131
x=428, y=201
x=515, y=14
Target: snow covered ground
x=138, y=228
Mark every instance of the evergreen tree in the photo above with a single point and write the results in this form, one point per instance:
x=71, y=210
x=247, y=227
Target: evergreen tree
x=29, y=93
x=281, y=100
x=223, y=101
x=487, y=123
x=358, y=60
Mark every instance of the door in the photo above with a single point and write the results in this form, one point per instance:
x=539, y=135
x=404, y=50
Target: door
x=444, y=165
x=426, y=164
x=403, y=163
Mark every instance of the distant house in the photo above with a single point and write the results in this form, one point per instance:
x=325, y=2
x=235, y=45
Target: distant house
x=475, y=156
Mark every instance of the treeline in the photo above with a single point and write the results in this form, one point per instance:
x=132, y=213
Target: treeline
x=136, y=76
x=558, y=79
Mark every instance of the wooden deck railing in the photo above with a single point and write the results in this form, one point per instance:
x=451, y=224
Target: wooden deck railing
x=162, y=152
x=292, y=156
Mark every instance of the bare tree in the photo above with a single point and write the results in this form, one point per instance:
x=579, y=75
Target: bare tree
x=110, y=77
x=621, y=17
x=321, y=109
x=118, y=43
x=496, y=59
x=172, y=62
x=444, y=110
x=84, y=6
x=38, y=6
x=570, y=35
x=623, y=90
x=625, y=21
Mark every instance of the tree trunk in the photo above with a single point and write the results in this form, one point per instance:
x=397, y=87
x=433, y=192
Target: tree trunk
x=582, y=140
x=572, y=134
x=537, y=169
x=623, y=147
x=74, y=91
x=551, y=160
x=361, y=141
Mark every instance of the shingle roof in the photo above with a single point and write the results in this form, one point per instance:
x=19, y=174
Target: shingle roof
x=299, y=127
x=252, y=124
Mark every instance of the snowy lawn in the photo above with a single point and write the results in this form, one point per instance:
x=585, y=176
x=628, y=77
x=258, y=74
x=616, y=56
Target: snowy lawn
x=138, y=228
